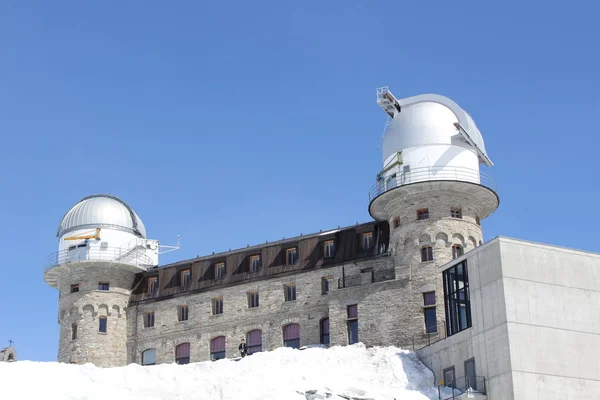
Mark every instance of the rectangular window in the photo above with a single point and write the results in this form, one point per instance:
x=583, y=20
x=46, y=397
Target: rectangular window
x=253, y=299
x=75, y=288
x=254, y=263
x=324, y=331
x=149, y=319
x=103, y=286
x=291, y=336
x=182, y=353
x=367, y=240
x=396, y=222
x=422, y=214
x=456, y=213
x=153, y=284
x=457, y=251
x=426, y=253
x=73, y=331
x=329, y=248
x=102, y=324
x=353, y=324
x=429, y=298
x=430, y=320
x=289, y=292
x=449, y=380
x=217, y=348
x=182, y=313
x=291, y=256
x=456, y=298
x=185, y=277
x=217, y=306
x=220, y=271
x=324, y=286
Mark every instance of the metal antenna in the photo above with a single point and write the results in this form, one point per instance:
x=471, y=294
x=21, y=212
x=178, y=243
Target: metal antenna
x=10, y=342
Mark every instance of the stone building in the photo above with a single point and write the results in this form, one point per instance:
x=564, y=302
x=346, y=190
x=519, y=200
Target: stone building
x=8, y=354
x=376, y=282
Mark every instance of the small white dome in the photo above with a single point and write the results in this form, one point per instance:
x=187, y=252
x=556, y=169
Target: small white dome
x=101, y=211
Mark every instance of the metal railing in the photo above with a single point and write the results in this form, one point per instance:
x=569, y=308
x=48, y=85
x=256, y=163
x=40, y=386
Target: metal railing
x=349, y=281
x=431, y=335
x=384, y=275
x=465, y=385
x=424, y=174
x=136, y=257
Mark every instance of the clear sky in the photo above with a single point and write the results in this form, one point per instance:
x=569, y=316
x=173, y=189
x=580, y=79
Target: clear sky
x=232, y=123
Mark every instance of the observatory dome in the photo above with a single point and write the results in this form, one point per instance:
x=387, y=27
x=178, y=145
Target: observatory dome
x=101, y=211
x=429, y=120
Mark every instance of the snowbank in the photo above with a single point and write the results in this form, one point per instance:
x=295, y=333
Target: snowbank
x=353, y=372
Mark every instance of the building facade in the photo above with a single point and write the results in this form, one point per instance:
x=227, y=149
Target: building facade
x=522, y=322
x=377, y=282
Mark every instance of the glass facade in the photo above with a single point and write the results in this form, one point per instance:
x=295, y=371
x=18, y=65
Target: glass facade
x=456, y=298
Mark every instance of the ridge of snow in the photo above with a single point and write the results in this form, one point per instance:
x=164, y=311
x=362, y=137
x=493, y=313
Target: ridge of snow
x=337, y=373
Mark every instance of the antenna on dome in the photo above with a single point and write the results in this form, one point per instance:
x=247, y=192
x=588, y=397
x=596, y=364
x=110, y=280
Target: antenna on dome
x=167, y=249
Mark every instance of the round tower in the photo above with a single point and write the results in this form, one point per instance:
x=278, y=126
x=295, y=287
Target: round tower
x=433, y=195
x=102, y=244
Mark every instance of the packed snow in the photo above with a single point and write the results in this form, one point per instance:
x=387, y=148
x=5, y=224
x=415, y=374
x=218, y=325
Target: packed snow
x=338, y=373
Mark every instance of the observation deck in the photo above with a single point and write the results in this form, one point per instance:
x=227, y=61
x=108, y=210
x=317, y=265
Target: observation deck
x=129, y=258
x=426, y=179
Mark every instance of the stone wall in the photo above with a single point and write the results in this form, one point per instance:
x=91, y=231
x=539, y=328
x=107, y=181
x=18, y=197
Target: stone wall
x=85, y=308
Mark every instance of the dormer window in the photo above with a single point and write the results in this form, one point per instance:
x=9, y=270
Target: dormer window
x=219, y=271
x=291, y=256
x=153, y=284
x=185, y=277
x=329, y=248
x=254, y=263
x=367, y=240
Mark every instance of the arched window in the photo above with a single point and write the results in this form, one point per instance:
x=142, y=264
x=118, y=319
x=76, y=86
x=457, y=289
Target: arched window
x=291, y=336
x=254, y=341
x=217, y=348
x=149, y=357
x=11, y=357
x=182, y=353
x=324, y=331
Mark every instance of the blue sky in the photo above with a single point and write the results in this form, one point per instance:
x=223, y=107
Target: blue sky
x=238, y=122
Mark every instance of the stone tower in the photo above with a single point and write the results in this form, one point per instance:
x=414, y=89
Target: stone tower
x=102, y=244
x=432, y=193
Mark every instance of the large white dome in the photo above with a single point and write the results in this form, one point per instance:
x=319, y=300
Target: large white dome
x=101, y=211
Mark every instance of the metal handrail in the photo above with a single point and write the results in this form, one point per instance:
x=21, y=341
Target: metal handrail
x=424, y=174
x=122, y=255
x=467, y=384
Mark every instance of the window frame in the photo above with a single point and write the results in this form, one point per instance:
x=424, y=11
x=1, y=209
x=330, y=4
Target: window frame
x=220, y=271
x=352, y=324
x=293, y=342
x=185, y=282
x=74, y=331
x=185, y=359
x=364, y=236
x=294, y=252
x=75, y=288
x=100, y=320
x=253, y=299
x=457, y=251
x=456, y=212
x=142, y=357
x=217, y=305
x=324, y=286
x=453, y=382
x=218, y=355
x=149, y=319
x=457, y=303
x=255, y=348
x=329, y=249
x=102, y=285
x=422, y=214
x=152, y=284
x=291, y=288
x=426, y=253
x=182, y=313
x=324, y=338
x=254, y=266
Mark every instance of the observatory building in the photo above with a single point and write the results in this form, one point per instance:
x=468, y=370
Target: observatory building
x=394, y=280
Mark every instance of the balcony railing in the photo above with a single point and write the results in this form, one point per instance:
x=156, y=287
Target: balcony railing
x=467, y=384
x=457, y=174
x=130, y=256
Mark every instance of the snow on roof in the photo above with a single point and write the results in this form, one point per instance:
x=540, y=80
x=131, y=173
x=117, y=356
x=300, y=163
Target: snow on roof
x=351, y=371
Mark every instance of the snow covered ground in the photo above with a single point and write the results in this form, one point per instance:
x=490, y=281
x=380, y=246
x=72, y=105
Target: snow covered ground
x=352, y=372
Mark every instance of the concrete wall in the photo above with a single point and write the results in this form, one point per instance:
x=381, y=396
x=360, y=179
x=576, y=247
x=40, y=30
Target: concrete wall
x=536, y=325
x=553, y=314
